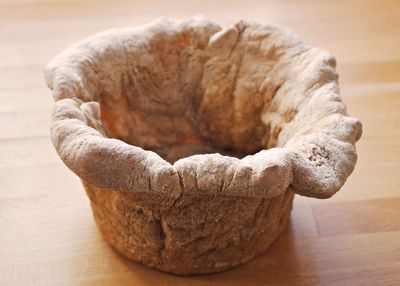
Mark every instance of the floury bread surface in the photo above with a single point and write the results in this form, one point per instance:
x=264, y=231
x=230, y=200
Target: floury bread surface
x=142, y=116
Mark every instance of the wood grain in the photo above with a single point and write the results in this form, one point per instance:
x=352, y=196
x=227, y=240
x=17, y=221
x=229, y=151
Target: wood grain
x=47, y=234
x=353, y=217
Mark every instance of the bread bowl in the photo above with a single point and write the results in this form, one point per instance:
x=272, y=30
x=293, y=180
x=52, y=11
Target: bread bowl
x=191, y=139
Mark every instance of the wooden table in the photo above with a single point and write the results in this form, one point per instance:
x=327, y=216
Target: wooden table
x=47, y=234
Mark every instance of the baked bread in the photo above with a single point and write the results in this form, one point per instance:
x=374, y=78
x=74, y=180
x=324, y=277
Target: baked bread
x=192, y=139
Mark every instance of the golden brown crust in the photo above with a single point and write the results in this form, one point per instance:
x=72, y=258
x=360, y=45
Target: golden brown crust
x=190, y=235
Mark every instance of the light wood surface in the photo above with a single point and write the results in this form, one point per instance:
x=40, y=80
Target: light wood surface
x=47, y=233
